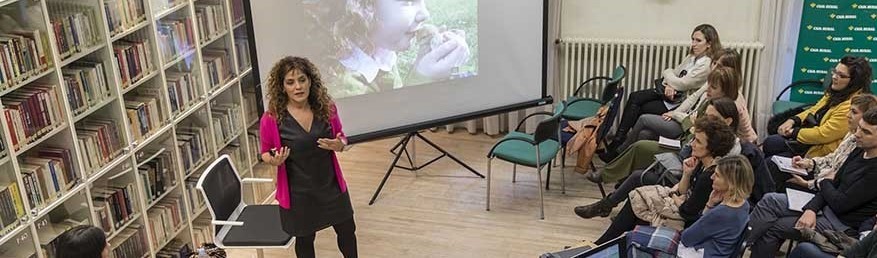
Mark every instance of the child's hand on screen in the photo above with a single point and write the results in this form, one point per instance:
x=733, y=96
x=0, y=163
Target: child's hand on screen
x=440, y=61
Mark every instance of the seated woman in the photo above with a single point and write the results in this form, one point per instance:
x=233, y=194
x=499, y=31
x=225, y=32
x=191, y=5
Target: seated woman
x=713, y=138
x=723, y=82
x=641, y=153
x=687, y=76
x=825, y=166
x=723, y=108
x=823, y=132
x=717, y=233
x=82, y=242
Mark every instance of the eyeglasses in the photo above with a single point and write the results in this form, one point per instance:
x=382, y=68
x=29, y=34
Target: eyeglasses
x=839, y=75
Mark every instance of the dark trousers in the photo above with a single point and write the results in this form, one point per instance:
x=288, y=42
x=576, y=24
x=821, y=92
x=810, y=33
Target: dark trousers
x=809, y=250
x=772, y=223
x=304, y=246
x=642, y=102
x=625, y=221
x=776, y=144
x=636, y=179
x=780, y=178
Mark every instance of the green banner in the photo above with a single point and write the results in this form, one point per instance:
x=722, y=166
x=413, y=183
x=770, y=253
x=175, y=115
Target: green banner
x=830, y=30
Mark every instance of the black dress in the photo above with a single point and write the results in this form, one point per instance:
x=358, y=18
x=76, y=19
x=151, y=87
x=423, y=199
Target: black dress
x=317, y=200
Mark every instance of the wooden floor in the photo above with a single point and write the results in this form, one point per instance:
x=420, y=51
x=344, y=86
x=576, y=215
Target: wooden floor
x=440, y=211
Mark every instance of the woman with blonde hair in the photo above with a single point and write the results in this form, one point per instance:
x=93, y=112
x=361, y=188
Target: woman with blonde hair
x=718, y=231
x=300, y=133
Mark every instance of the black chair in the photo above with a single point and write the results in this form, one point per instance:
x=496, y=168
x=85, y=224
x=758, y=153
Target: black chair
x=742, y=245
x=238, y=225
x=780, y=106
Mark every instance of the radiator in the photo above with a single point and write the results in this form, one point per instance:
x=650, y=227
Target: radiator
x=582, y=58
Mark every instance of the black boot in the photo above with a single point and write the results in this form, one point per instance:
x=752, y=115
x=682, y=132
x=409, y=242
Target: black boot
x=600, y=208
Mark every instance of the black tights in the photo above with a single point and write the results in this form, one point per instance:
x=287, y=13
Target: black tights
x=304, y=245
x=625, y=221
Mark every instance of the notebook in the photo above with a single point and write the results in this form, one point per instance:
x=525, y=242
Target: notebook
x=785, y=165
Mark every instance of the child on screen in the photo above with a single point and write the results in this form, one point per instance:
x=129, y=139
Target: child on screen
x=367, y=36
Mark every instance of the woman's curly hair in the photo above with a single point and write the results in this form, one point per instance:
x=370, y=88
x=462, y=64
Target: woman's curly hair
x=318, y=97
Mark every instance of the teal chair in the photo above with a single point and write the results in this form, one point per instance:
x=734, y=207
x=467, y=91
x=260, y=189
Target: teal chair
x=532, y=150
x=780, y=106
x=579, y=107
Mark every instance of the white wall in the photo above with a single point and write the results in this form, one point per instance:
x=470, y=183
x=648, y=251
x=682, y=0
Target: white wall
x=736, y=20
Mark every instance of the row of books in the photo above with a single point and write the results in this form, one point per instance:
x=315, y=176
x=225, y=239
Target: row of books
x=165, y=219
x=11, y=207
x=242, y=47
x=100, y=141
x=211, y=19
x=74, y=26
x=202, y=231
x=47, y=174
x=134, y=60
x=32, y=112
x=144, y=115
x=196, y=199
x=182, y=90
x=193, y=146
x=236, y=153
x=218, y=66
x=251, y=108
x=227, y=121
x=158, y=176
x=253, y=138
x=175, y=36
x=130, y=243
x=237, y=11
x=175, y=249
x=86, y=85
x=113, y=206
x=123, y=14
x=23, y=54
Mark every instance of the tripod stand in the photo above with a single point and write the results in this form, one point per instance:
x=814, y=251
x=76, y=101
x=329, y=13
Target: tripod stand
x=402, y=147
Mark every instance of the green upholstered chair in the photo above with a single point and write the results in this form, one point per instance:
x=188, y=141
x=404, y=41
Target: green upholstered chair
x=579, y=107
x=535, y=150
x=780, y=106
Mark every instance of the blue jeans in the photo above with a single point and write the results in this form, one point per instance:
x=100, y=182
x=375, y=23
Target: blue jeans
x=809, y=250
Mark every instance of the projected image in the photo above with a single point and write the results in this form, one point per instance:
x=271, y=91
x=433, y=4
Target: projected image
x=374, y=46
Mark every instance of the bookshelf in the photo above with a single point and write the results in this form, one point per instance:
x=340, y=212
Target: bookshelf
x=111, y=110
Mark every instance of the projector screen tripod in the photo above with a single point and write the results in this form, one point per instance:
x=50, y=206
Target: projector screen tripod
x=402, y=148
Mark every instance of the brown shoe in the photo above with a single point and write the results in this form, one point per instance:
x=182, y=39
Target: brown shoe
x=600, y=208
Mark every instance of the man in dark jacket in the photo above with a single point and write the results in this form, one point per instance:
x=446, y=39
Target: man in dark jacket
x=842, y=204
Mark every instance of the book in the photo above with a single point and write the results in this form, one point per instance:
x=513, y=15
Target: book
x=114, y=206
x=165, y=218
x=227, y=121
x=74, y=26
x=242, y=48
x=23, y=54
x=217, y=66
x=100, y=141
x=133, y=58
x=175, y=37
x=32, y=112
x=210, y=18
x=669, y=143
x=86, y=85
x=785, y=165
x=130, y=242
x=158, y=176
x=182, y=90
x=144, y=115
x=798, y=199
x=47, y=174
x=122, y=15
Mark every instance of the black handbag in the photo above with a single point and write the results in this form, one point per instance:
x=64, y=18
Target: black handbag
x=677, y=98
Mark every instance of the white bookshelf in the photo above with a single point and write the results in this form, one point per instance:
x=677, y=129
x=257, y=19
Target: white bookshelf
x=146, y=87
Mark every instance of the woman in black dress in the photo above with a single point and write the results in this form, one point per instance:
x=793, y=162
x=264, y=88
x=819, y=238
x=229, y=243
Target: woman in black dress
x=300, y=134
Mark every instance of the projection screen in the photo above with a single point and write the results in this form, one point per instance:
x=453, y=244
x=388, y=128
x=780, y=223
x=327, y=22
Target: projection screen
x=395, y=66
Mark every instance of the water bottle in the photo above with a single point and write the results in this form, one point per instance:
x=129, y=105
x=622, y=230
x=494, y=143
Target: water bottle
x=202, y=253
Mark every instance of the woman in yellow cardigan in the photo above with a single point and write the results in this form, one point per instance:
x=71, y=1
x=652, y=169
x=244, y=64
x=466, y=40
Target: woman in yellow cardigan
x=819, y=130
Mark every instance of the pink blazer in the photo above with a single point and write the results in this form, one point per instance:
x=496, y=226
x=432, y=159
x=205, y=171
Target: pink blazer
x=270, y=138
